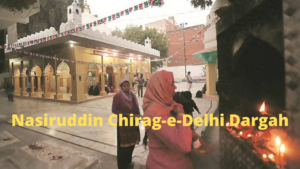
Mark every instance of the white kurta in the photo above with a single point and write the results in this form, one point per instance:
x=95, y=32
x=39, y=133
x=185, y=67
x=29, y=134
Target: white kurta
x=189, y=85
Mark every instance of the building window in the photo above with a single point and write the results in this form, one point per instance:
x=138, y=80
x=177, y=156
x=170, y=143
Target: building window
x=77, y=11
x=70, y=11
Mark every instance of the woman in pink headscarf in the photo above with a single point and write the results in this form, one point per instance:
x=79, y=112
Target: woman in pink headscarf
x=125, y=103
x=170, y=146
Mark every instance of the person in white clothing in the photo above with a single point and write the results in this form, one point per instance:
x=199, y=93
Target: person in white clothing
x=189, y=81
x=135, y=84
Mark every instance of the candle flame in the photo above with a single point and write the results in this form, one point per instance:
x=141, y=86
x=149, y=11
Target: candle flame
x=282, y=148
x=264, y=156
x=278, y=142
x=271, y=155
x=263, y=108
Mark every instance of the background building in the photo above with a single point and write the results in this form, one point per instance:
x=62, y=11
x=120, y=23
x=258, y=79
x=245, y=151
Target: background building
x=164, y=25
x=176, y=38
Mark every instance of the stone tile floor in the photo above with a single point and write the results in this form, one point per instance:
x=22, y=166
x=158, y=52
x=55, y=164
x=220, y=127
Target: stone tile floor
x=94, y=140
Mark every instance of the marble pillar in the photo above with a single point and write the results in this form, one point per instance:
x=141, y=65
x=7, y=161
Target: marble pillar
x=103, y=92
x=17, y=85
x=24, y=92
x=117, y=81
x=47, y=87
x=39, y=84
x=58, y=95
x=33, y=93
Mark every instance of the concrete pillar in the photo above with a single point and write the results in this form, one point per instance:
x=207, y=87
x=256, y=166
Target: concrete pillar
x=39, y=84
x=32, y=94
x=24, y=92
x=58, y=95
x=47, y=87
x=17, y=85
x=211, y=77
x=103, y=92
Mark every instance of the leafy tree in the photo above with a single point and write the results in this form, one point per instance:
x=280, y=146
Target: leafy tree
x=16, y=5
x=52, y=14
x=201, y=3
x=138, y=35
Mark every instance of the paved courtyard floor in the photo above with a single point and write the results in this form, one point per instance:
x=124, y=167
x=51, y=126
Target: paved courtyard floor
x=98, y=145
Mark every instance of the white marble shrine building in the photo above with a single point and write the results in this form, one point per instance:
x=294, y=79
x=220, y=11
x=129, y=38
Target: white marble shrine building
x=66, y=67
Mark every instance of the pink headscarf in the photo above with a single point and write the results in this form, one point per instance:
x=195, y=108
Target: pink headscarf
x=156, y=99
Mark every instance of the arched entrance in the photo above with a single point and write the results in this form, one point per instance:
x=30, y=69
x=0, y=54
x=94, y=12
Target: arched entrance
x=109, y=77
x=63, y=82
x=25, y=81
x=48, y=81
x=92, y=85
x=17, y=82
x=35, y=79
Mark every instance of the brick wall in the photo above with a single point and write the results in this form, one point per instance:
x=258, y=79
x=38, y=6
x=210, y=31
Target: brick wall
x=176, y=42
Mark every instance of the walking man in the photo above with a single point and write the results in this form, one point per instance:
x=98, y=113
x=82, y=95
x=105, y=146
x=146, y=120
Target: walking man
x=141, y=82
x=189, y=81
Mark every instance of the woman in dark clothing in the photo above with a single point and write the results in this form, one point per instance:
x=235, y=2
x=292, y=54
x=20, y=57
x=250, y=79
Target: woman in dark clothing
x=125, y=103
x=185, y=98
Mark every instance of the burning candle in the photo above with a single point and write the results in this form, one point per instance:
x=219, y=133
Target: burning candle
x=277, y=143
x=282, y=150
x=263, y=108
x=227, y=124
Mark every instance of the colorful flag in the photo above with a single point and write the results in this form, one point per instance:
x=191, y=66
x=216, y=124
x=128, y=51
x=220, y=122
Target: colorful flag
x=114, y=16
x=130, y=9
x=136, y=7
x=118, y=15
x=127, y=12
x=95, y=23
x=122, y=13
x=109, y=18
x=146, y=4
x=150, y=2
x=104, y=20
x=141, y=6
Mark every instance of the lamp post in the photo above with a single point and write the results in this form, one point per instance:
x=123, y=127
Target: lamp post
x=182, y=25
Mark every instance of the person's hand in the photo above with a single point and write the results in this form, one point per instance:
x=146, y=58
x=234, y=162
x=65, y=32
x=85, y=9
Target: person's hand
x=178, y=110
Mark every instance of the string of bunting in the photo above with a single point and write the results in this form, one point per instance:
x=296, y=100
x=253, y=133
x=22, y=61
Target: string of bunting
x=69, y=60
x=197, y=35
x=104, y=20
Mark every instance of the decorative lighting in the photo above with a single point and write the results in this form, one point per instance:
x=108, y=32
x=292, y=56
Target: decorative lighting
x=241, y=133
x=271, y=155
x=249, y=135
x=278, y=142
x=227, y=124
x=71, y=45
x=139, y=58
x=72, y=42
x=282, y=149
x=115, y=54
x=264, y=156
